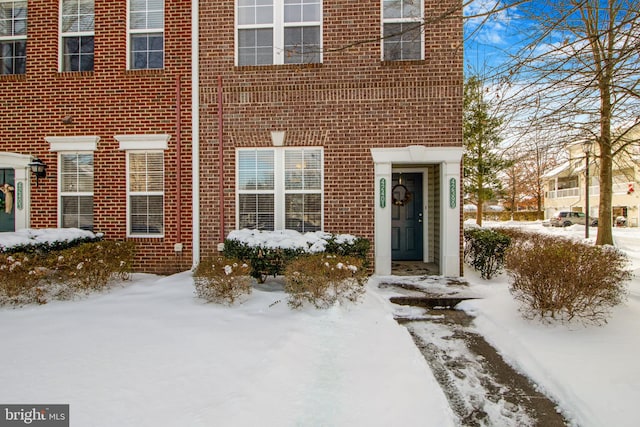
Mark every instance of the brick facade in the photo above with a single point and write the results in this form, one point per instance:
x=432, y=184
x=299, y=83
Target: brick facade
x=106, y=102
x=348, y=104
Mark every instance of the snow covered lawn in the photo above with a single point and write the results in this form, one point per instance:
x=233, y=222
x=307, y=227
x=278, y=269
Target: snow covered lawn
x=149, y=354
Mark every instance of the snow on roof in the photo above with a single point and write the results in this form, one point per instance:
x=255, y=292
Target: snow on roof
x=557, y=171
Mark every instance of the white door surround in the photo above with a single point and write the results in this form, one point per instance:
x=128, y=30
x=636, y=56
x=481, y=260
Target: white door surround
x=449, y=159
x=22, y=206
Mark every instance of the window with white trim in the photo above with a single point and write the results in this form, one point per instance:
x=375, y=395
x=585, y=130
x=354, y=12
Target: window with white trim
x=402, y=30
x=145, y=193
x=13, y=37
x=76, y=190
x=146, y=34
x=76, y=28
x=280, y=189
x=278, y=32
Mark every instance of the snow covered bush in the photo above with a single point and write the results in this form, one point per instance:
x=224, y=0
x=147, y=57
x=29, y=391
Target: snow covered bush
x=558, y=279
x=269, y=252
x=222, y=280
x=484, y=250
x=324, y=279
x=37, y=277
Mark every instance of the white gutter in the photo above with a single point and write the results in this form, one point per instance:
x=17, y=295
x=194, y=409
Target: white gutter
x=195, y=128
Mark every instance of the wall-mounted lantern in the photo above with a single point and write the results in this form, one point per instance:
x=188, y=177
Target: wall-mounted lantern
x=38, y=168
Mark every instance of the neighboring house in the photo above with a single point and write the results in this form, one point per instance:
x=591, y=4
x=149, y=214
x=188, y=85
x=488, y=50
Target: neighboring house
x=309, y=115
x=337, y=116
x=90, y=88
x=565, y=186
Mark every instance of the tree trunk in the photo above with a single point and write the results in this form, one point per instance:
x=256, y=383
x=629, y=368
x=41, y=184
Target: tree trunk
x=605, y=233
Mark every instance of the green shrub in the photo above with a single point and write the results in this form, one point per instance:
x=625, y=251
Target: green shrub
x=557, y=279
x=484, y=250
x=37, y=277
x=222, y=280
x=323, y=280
x=269, y=261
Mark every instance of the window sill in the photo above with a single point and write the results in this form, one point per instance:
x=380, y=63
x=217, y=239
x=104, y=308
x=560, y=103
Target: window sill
x=13, y=77
x=279, y=67
x=145, y=71
x=403, y=62
x=75, y=74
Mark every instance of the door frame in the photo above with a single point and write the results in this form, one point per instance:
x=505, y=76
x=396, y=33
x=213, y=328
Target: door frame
x=22, y=206
x=449, y=215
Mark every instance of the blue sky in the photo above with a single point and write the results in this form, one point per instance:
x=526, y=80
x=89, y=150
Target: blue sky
x=488, y=40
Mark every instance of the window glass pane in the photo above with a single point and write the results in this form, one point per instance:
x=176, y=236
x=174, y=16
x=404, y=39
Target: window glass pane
x=411, y=9
x=147, y=214
x=77, y=53
x=303, y=212
x=302, y=170
x=77, y=211
x=302, y=45
x=256, y=211
x=402, y=41
x=13, y=58
x=301, y=10
x=13, y=18
x=77, y=15
x=147, y=51
x=392, y=9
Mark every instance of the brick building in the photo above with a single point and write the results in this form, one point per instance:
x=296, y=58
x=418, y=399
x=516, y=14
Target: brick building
x=316, y=122
x=343, y=116
x=100, y=92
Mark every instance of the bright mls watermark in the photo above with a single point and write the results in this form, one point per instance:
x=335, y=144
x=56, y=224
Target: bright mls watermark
x=34, y=415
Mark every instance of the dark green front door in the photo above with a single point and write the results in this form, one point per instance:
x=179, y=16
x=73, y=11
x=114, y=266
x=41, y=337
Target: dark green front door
x=7, y=198
x=406, y=217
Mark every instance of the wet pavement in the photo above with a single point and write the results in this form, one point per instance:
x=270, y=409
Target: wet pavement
x=482, y=389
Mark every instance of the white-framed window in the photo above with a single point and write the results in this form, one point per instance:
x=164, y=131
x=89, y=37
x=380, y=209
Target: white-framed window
x=278, y=32
x=280, y=188
x=13, y=37
x=145, y=183
x=77, y=35
x=146, y=34
x=402, y=30
x=145, y=188
x=76, y=189
x=75, y=179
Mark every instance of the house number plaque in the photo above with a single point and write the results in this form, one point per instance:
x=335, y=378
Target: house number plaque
x=383, y=192
x=452, y=193
x=19, y=193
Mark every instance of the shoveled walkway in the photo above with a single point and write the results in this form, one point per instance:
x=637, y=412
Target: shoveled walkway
x=483, y=390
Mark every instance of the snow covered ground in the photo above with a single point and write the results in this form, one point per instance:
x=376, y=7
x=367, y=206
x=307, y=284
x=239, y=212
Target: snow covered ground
x=147, y=353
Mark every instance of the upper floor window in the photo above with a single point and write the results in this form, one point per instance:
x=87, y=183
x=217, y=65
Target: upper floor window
x=146, y=34
x=279, y=32
x=77, y=17
x=402, y=29
x=13, y=37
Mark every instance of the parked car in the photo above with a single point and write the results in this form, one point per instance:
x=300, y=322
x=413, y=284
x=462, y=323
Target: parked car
x=566, y=218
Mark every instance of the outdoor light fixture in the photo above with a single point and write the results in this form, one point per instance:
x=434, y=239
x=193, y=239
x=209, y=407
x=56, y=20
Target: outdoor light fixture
x=586, y=147
x=38, y=168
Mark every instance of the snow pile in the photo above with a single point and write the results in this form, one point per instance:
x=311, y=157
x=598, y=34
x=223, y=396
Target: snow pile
x=311, y=242
x=32, y=236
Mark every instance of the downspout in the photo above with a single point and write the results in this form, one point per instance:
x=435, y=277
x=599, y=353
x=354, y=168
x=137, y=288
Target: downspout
x=195, y=130
x=178, y=245
x=220, y=159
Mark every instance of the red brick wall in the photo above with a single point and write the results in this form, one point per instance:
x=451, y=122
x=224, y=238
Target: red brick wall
x=351, y=102
x=106, y=102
